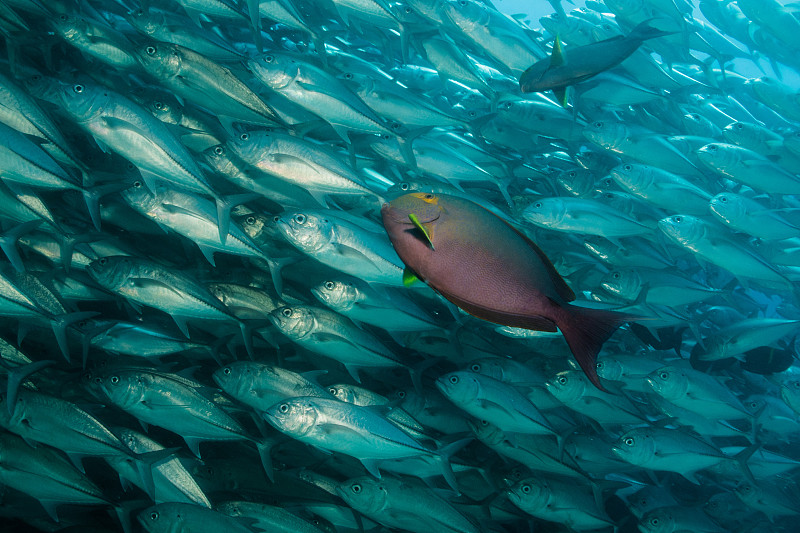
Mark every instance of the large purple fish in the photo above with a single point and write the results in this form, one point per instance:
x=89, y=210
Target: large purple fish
x=489, y=269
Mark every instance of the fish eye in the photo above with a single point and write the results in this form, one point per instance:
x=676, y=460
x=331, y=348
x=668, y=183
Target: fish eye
x=158, y=105
x=526, y=489
x=475, y=368
x=598, y=124
x=284, y=408
x=627, y=168
x=102, y=261
x=562, y=380
x=712, y=147
x=244, y=136
x=629, y=441
x=677, y=219
x=485, y=423
x=615, y=275
x=739, y=126
x=572, y=174
x=226, y=371
x=276, y=218
x=154, y=516
x=63, y=18
x=454, y=380
x=250, y=220
x=356, y=488
x=150, y=50
x=723, y=199
x=404, y=186
x=429, y=197
x=98, y=380
x=599, y=365
x=268, y=59
x=537, y=205
x=663, y=375
x=329, y=285
x=219, y=150
x=654, y=521
x=746, y=488
x=138, y=13
x=77, y=88
x=348, y=76
x=401, y=394
x=287, y=312
x=137, y=184
x=114, y=379
x=300, y=219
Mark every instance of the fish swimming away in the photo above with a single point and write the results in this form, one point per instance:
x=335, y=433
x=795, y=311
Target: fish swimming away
x=583, y=62
x=491, y=270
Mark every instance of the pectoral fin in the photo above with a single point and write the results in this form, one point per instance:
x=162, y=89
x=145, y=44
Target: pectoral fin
x=409, y=278
x=417, y=224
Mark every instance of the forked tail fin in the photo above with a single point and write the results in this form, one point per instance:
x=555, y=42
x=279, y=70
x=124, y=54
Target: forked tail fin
x=585, y=331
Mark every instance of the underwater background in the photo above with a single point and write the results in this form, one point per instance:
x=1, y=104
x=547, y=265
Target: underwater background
x=205, y=325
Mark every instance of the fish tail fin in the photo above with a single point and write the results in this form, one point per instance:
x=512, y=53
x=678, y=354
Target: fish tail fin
x=646, y=30
x=585, y=331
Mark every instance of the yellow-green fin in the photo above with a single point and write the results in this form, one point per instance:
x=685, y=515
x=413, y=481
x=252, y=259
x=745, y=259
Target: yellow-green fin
x=409, y=278
x=557, y=57
x=414, y=220
x=561, y=95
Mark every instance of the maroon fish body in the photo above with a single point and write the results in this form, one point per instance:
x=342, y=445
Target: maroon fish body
x=486, y=267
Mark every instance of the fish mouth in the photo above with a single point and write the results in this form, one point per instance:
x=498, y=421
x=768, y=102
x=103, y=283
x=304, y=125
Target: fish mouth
x=400, y=216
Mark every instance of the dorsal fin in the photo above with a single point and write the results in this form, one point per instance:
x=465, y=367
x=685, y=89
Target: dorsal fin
x=557, y=57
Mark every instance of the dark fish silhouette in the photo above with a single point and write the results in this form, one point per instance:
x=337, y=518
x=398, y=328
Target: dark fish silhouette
x=583, y=62
x=489, y=269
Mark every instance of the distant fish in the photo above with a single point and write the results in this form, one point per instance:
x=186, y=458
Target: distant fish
x=559, y=71
x=489, y=269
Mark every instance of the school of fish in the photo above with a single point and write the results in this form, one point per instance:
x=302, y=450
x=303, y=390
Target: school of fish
x=399, y=265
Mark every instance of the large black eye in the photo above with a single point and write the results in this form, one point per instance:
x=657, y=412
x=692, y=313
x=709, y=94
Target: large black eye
x=102, y=261
x=404, y=186
x=572, y=174
x=739, y=126
x=526, y=489
x=300, y=219
x=244, y=136
x=348, y=76
x=219, y=150
x=723, y=199
x=114, y=380
x=475, y=368
x=454, y=380
x=654, y=521
x=268, y=59
x=677, y=219
x=562, y=380
x=77, y=88
x=626, y=168
x=356, y=488
x=712, y=147
x=137, y=184
x=537, y=205
x=663, y=375
x=615, y=275
x=629, y=441
x=287, y=312
x=226, y=371
x=401, y=394
x=158, y=105
x=63, y=18
x=598, y=124
x=150, y=50
x=250, y=220
x=284, y=408
x=154, y=516
x=429, y=197
x=329, y=285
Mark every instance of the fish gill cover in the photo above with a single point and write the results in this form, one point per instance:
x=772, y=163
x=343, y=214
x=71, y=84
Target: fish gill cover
x=209, y=325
